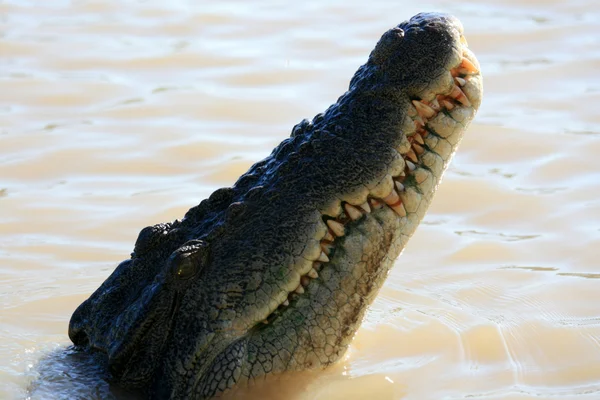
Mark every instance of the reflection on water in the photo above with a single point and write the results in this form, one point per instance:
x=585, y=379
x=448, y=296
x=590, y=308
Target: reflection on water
x=115, y=116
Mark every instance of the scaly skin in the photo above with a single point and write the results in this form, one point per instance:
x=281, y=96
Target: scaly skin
x=275, y=273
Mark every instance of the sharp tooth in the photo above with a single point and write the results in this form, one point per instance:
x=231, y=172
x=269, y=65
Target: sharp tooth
x=336, y=227
x=353, y=212
x=418, y=149
x=423, y=109
x=418, y=138
x=411, y=154
x=286, y=303
x=328, y=236
x=299, y=289
x=460, y=96
x=399, y=209
x=326, y=247
x=399, y=186
x=395, y=203
x=449, y=106
x=435, y=104
x=410, y=165
x=391, y=198
x=365, y=206
x=468, y=65
x=264, y=321
x=304, y=281
x=323, y=257
x=375, y=203
x=313, y=273
x=460, y=81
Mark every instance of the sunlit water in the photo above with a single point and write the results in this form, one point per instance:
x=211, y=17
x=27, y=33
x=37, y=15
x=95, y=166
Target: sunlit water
x=117, y=115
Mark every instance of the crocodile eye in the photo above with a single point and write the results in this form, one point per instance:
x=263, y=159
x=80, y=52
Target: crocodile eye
x=186, y=268
x=189, y=259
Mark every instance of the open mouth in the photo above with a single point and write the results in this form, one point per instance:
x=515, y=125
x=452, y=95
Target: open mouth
x=423, y=153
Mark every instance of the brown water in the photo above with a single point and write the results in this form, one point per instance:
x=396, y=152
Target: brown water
x=117, y=115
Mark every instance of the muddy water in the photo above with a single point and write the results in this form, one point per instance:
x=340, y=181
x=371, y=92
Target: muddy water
x=115, y=116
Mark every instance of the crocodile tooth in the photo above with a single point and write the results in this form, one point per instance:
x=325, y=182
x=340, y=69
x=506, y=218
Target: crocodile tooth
x=304, y=281
x=449, y=106
x=328, y=236
x=395, y=203
x=460, y=96
x=365, y=206
x=399, y=186
x=399, y=209
x=460, y=81
x=391, y=198
x=336, y=228
x=419, y=139
x=435, y=104
x=264, y=321
x=410, y=165
x=326, y=247
x=423, y=109
x=313, y=273
x=468, y=65
x=323, y=257
x=411, y=154
x=353, y=212
x=299, y=289
x=285, y=303
x=375, y=203
x=417, y=148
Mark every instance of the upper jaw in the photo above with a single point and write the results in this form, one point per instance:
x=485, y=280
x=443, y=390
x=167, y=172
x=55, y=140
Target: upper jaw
x=396, y=203
x=432, y=128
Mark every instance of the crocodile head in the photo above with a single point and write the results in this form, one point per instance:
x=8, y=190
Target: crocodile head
x=275, y=273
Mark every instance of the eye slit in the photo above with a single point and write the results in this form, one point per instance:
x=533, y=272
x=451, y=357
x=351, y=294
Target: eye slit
x=186, y=267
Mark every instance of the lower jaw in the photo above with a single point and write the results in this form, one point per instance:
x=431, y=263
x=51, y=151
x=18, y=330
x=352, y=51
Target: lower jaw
x=316, y=328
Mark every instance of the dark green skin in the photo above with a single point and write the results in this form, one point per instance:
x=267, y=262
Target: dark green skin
x=181, y=319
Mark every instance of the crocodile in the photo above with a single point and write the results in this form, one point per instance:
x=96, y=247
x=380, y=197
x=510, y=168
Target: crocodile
x=274, y=274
